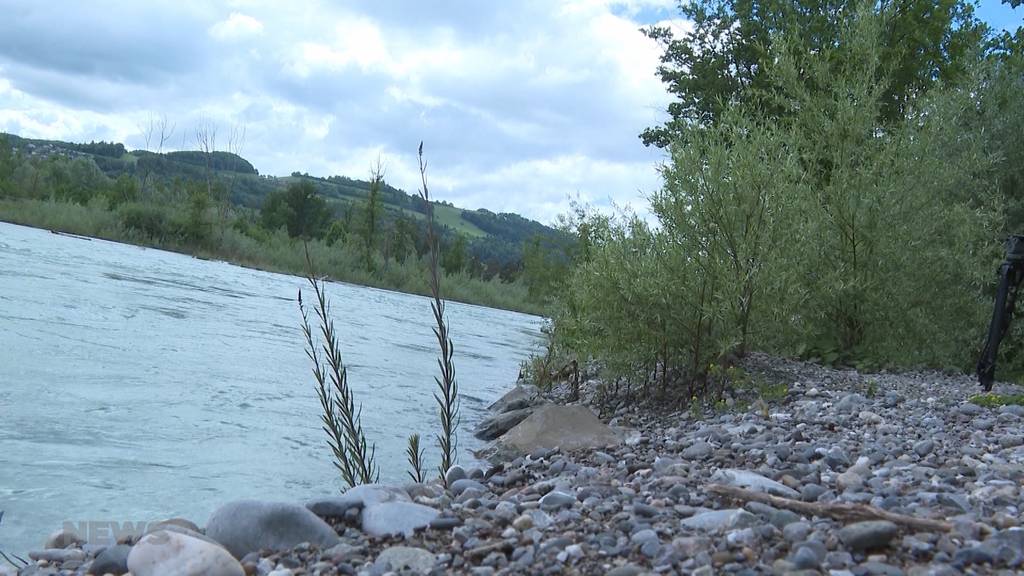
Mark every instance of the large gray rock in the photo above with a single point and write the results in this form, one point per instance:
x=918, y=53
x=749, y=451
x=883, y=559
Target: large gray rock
x=753, y=481
x=389, y=518
x=565, y=427
x=250, y=525
x=356, y=497
x=165, y=553
x=495, y=426
x=517, y=398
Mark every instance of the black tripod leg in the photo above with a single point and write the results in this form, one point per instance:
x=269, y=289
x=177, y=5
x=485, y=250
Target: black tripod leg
x=1010, y=276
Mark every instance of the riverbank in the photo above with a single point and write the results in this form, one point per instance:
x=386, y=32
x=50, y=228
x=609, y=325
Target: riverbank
x=279, y=254
x=676, y=495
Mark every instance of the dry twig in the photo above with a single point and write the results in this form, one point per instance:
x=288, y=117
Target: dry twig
x=840, y=511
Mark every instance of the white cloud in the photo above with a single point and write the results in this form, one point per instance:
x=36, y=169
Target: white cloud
x=237, y=26
x=521, y=104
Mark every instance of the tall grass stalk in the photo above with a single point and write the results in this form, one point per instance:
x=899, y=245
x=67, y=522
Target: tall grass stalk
x=341, y=418
x=447, y=395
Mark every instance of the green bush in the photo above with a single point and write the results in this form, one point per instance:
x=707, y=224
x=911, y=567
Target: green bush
x=145, y=219
x=817, y=228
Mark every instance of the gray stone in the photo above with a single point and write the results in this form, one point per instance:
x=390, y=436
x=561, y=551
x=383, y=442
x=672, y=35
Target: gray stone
x=406, y=558
x=445, y=522
x=555, y=500
x=698, y=450
x=849, y=480
x=1014, y=409
x=869, y=534
x=625, y=570
x=497, y=425
x=753, y=481
x=166, y=553
x=721, y=519
x=969, y=409
x=396, y=518
x=782, y=518
x=460, y=486
x=837, y=458
x=849, y=403
x=873, y=568
x=356, y=497
x=541, y=519
x=975, y=555
x=180, y=528
x=797, y=531
x=57, y=554
x=566, y=427
x=811, y=492
x=805, y=558
x=112, y=560
x=642, y=536
x=924, y=447
x=517, y=398
x=454, y=474
x=246, y=526
x=1007, y=546
x=62, y=539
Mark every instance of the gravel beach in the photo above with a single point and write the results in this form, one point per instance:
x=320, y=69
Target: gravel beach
x=775, y=489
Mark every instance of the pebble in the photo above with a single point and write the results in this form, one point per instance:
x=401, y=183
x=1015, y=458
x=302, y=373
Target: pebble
x=868, y=534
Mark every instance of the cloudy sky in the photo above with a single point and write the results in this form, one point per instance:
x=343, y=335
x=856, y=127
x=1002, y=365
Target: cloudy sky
x=522, y=104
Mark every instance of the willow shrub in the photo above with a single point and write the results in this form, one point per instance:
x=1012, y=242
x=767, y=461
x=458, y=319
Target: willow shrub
x=821, y=230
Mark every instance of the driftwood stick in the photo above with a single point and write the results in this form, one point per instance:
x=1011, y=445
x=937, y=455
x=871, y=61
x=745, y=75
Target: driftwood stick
x=839, y=511
x=485, y=549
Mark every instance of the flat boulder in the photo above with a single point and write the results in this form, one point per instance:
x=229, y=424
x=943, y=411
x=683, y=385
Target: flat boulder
x=566, y=427
x=164, y=553
x=389, y=518
x=246, y=526
x=522, y=396
x=499, y=424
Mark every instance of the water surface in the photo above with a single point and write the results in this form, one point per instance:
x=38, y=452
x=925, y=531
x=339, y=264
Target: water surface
x=137, y=384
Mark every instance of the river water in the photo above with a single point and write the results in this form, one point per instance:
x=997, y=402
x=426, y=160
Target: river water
x=138, y=384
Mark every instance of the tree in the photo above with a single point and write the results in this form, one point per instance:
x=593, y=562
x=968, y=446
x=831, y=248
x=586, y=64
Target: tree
x=8, y=163
x=453, y=259
x=298, y=208
x=197, y=227
x=123, y=189
x=372, y=215
x=724, y=59
x=541, y=268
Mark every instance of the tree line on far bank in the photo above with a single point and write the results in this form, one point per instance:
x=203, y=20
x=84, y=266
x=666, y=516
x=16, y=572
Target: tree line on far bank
x=838, y=186
x=365, y=242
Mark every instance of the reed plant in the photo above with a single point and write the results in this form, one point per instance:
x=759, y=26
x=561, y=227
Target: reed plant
x=447, y=394
x=340, y=416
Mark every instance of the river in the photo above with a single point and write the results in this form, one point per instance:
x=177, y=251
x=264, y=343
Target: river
x=138, y=384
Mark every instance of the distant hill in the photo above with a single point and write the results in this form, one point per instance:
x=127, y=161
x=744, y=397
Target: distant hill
x=490, y=236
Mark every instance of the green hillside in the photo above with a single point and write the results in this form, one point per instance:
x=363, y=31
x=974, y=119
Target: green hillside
x=496, y=239
x=218, y=205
